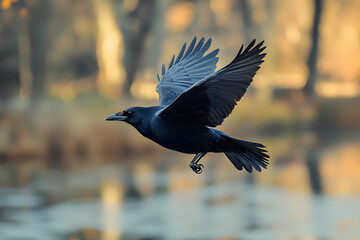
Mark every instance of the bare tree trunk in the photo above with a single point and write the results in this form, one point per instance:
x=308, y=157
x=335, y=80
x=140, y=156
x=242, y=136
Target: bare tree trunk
x=313, y=158
x=313, y=56
x=248, y=23
x=9, y=70
x=142, y=18
x=26, y=76
x=203, y=8
x=109, y=49
x=38, y=35
x=158, y=34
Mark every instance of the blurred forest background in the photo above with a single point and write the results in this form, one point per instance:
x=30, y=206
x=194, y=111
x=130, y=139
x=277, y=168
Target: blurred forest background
x=65, y=65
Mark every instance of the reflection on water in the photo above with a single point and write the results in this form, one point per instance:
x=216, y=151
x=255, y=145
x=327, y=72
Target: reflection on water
x=144, y=201
x=111, y=197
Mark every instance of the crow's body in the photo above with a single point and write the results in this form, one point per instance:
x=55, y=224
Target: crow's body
x=180, y=136
x=194, y=99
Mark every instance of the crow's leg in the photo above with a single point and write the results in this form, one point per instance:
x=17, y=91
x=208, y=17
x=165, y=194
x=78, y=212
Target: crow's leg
x=197, y=168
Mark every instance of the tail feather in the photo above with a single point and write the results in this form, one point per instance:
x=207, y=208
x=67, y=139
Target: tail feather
x=248, y=155
x=242, y=154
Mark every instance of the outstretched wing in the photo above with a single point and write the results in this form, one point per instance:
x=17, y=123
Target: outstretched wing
x=188, y=68
x=212, y=99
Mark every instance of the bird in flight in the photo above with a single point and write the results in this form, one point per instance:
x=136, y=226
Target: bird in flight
x=193, y=99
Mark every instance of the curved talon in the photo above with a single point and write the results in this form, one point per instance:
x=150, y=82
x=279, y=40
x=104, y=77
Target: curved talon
x=197, y=168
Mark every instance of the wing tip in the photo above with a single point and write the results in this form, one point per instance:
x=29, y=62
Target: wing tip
x=171, y=62
x=163, y=69
x=190, y=48
x=251, y=49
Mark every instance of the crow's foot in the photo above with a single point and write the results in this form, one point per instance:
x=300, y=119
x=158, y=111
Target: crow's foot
x=197, y=168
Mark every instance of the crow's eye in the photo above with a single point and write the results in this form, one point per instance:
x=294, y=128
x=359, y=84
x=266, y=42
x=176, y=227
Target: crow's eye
x=128, y=113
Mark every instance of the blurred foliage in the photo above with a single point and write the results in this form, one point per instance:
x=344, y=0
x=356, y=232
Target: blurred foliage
x=105, y=46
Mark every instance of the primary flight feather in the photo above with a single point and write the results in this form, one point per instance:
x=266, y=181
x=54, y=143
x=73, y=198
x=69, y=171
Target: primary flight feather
x=193, y=99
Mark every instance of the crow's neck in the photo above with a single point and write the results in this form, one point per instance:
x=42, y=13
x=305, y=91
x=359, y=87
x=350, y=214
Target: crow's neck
x=144, y=126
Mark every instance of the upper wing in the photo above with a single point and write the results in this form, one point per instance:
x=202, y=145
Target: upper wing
x=186, y=70
x=212, y=99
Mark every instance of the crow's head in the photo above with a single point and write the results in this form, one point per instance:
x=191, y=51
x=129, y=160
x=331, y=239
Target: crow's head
x=133, y=116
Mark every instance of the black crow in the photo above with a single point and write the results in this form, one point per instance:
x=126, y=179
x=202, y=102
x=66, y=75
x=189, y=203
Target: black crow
x=194, y=99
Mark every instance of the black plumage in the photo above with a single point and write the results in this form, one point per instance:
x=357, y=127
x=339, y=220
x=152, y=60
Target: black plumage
x=194, y=99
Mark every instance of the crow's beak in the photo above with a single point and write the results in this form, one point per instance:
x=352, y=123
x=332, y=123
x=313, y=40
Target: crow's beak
x=116, y=117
